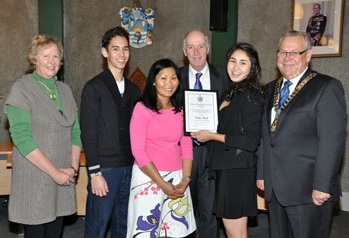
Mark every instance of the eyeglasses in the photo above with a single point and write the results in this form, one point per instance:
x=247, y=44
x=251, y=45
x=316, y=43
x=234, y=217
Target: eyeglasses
x=282, y=53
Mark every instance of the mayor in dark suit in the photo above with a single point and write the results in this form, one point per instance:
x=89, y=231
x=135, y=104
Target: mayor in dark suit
x=303, y=139
x=199, y=74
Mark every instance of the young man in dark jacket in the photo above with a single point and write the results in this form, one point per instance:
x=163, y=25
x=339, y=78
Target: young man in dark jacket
x=107, y=102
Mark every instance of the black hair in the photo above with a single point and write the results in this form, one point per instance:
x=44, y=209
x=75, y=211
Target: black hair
x=149, y=96
x=252, y=81
x=111, y=33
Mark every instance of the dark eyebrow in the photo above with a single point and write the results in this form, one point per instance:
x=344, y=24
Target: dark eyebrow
x=118, y=46
x=243, y=60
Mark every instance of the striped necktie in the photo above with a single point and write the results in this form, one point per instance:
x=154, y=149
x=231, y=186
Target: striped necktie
x=285, y=92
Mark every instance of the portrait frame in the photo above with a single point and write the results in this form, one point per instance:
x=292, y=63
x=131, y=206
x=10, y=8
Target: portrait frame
x=330, y=43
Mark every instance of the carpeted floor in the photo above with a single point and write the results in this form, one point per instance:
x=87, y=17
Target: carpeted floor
x=258, y=227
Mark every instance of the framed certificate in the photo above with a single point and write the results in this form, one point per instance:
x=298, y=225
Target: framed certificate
x=200, y=110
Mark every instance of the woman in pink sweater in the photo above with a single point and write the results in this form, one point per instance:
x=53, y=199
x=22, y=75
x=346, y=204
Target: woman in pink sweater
x=160, y=203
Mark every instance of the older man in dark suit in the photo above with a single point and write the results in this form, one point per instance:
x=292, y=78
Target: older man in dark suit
x=200, y=75
x=303, y=139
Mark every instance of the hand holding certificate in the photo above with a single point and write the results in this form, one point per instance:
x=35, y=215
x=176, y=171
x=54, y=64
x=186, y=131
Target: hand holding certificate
x=200, y=110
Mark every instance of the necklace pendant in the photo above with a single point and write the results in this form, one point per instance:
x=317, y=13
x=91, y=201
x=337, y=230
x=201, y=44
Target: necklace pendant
x=52, y=96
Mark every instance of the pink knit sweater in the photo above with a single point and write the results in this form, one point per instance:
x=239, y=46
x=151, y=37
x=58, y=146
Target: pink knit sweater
x=159, y=138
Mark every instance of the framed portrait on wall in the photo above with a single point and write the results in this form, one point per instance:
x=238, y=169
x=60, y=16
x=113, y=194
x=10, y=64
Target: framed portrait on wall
x=322, y=20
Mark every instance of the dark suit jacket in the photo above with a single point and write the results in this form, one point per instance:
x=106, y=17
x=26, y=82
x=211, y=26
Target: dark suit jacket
x=306, y=150
x=240, y=121
x=105, y=119
x=218, y=78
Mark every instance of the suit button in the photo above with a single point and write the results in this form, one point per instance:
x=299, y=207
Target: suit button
x=272, y=145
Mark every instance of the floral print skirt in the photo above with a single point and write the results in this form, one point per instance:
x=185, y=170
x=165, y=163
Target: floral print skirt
x=151, y=214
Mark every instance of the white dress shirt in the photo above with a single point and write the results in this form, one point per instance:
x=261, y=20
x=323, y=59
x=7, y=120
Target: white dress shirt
x=292, y=88
x=204, y=79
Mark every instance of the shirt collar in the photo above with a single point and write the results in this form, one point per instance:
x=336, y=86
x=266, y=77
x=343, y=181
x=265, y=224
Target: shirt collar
x=193, y=71
x=296, y=79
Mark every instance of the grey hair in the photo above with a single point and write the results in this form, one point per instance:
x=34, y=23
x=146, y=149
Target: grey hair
x=185, y=38
x=296, y=33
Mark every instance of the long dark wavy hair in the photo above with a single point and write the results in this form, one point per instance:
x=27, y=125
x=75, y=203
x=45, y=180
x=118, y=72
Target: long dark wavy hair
x=149, y=97
x=252, y=81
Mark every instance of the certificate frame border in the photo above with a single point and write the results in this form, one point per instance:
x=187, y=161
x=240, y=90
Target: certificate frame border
x=185, y=107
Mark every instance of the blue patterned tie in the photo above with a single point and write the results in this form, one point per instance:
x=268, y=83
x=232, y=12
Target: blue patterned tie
x=285, y=92
x=198, y=85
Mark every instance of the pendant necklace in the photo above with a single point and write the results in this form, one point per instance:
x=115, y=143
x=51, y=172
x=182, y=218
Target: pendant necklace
x=52, y=93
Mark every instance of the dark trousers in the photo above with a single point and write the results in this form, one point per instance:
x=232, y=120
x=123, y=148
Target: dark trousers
x=202, y=190
x=301, y=221
x=111, y=208
x=47, y=230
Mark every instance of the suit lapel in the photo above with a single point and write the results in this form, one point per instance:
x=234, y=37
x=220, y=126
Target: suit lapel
x=112, y=87
x=214, y=75
x=270, y=101
x=216, y=81
x=185, y=77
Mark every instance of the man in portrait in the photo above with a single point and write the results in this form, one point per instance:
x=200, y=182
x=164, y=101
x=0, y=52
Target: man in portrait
x=316, y=25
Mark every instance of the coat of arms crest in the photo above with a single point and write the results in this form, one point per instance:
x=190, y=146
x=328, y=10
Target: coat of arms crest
x=139, y=22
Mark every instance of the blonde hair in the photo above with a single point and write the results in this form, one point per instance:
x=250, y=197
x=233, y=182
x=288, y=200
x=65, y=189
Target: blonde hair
x=40, y=41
